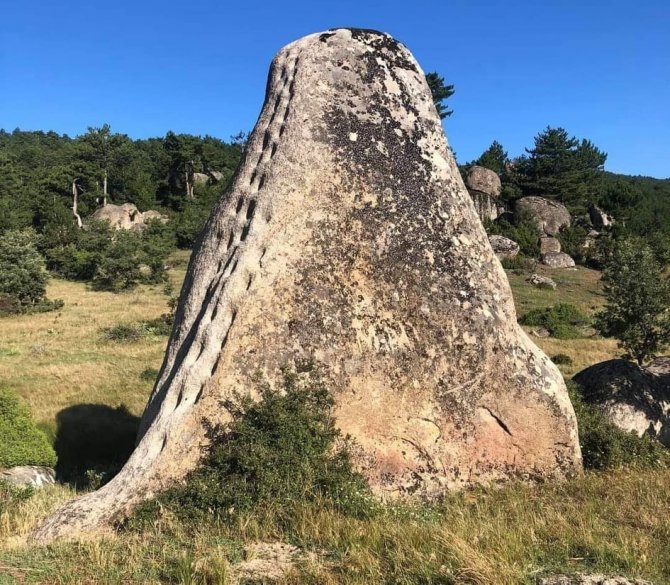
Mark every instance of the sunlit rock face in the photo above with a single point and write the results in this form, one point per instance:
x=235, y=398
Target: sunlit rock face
x=348, y=238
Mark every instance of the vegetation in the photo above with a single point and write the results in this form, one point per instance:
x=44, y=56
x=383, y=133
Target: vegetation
x=279, y=452
x=562, y=320
x=637, y=312
x=440, y=92
x=23, y=276
x=21, y=442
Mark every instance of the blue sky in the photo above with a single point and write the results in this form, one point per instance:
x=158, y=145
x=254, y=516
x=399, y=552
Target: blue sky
x=599, y=68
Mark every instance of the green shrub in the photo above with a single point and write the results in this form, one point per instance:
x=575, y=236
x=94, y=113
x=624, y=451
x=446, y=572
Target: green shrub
x=562, y=359
x=23, y=276
x=149, y=374
x=21, y=442
x=606, y=446
x=522, y=229
x=123, y=333
x=110, y=259
x=561, y=320
x=278, y=452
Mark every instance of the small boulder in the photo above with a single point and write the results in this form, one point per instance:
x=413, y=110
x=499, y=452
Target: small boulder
x=483, y=180
x=635, y=399
x=550, y=216
x=541, y=281
x=593, y=579
x=549, y=245
x=599, y=219
x=28, y=476
x=200, y=178
x=558, y=260
x=216, y=176
x=504, y=248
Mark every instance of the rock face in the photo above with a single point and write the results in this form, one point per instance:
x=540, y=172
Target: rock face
x=549, y=245
x=558, y=260
x=635, y=399
x=126, y=216
x=28, y=476
x=599, y=219
x=348, y=238
x=484, y=187
x=550, y=216
x=504, y=248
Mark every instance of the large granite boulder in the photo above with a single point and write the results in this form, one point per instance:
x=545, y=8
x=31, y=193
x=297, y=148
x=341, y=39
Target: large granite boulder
x=635, y=399
x=504, y=248
x=121, y=217
x=348, y=239
x=549, y=216
x=483, y=180
x=28, y=476
x=558, y=260
x=484, y=187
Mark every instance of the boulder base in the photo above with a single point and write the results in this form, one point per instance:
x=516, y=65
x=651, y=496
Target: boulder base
x=558, y=260
x=28, y=476
x=635, y=399
x=348, y=239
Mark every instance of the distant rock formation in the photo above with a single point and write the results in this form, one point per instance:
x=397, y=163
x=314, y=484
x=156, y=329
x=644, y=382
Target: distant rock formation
x=558, y=260
x=504, y=248
x=550, y=216
x=348, y=238
x=599, y=219
x=126, y=216
x=484, y=187
x=635, y=399
x=541, y=281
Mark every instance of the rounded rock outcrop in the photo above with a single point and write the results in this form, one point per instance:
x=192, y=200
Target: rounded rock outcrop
x=483, y=180
x=348, y=239
x=549, y=216
x=635, y=399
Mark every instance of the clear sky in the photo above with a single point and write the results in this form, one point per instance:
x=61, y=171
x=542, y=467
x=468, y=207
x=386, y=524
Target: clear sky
x=599, y=68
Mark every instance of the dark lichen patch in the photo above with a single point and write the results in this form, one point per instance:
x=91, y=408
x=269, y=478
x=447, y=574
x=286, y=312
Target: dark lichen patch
x=325, y=36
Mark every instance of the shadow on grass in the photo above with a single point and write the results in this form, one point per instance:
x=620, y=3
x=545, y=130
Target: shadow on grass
x=92, y=442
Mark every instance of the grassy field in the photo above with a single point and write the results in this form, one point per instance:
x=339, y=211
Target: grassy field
x=616, y=522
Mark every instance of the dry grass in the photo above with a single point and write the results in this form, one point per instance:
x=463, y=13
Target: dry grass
x=616, y=522
x=54, y=360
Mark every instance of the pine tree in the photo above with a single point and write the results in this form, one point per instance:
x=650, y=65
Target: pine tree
x=440, y=93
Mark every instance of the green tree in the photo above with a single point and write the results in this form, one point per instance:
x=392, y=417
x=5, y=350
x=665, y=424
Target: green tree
x=638, y=301
x=102, y=149
x=562, y=167
x=440, y=92
x=494, y=158
x=23, y=276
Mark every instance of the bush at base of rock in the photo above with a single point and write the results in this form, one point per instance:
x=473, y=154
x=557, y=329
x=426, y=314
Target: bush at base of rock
x=21, y=442
x=562, y=320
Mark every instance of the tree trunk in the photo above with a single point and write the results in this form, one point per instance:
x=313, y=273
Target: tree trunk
x=104, y=189
x=75, y=195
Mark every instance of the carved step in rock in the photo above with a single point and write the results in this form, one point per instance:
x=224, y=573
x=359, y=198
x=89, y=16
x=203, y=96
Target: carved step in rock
x=348, y=237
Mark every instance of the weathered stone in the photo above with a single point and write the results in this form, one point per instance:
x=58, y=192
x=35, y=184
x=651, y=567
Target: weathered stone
x=549, y=216
x=28, y=476
x=200, y=178
x=483, y=180
x=558, y=260
x=599, y=218
x=635, y=399
x=504, y=248
x=348, y=238
x=541, y=281
x=487, y=207
x=121, y=217
x=216, y=176
x=126, y=216
x=549, y=245
x=484, y=187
